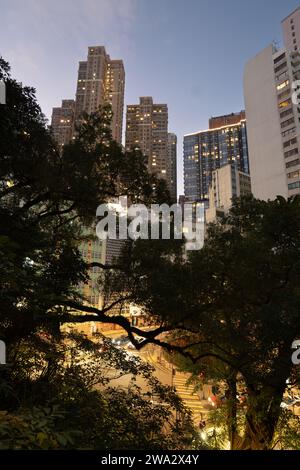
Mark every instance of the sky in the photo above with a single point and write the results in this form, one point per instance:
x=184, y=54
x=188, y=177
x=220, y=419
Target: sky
x=189, y=54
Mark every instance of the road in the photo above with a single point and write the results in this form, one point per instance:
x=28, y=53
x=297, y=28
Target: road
x=164, y=371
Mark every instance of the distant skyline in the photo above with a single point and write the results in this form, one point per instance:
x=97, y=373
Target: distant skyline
x=189, y=54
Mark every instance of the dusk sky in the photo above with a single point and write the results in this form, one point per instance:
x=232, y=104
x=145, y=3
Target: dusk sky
x=189, y=54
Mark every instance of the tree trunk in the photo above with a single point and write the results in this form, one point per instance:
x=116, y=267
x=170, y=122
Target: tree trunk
x=261, y=418
x=232, y=411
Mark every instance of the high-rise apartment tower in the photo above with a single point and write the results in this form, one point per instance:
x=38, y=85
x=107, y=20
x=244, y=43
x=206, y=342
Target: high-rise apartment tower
x=271, y=86
x=100, y=80
x=205, y=151
x=147, y=129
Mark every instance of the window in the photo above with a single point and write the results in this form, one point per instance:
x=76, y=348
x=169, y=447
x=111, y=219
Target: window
x=279, y=58
x=283, y=95
x=284, y=104
x=283, y=84
x=290, y=153
x=281, y=76
x=292, y=163
x=290, y=142
x=280, y=67
x=288, y=132
x=294, y=185
x=287, y=122
x=294, y=174
x=286, y=113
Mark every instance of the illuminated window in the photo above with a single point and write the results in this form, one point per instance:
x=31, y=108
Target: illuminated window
x=294, y=174
x=284, y=104
x=282, y=85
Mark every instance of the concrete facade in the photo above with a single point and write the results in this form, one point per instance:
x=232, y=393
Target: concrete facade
x=100, y=80
x=227, y=183
x=147, y=129
x=172, y=165
x=273, y=126
x=62, y=122
x=291, y=31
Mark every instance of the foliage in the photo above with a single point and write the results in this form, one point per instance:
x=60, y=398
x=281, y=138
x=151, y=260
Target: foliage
x=55, y=384
x=35, y=428
x=45, y=200
x=287, y=435
x=78, y=393
x=236, y=302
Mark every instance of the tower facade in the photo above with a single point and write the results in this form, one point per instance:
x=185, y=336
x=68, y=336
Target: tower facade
x=205, y=151
x=147, y=129
x=273, y=122
x=172, y=165
x=62, y=122
x=100, y=80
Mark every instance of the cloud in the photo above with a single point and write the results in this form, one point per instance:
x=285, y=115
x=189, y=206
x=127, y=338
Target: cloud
x=44, y=39
x=67, y=19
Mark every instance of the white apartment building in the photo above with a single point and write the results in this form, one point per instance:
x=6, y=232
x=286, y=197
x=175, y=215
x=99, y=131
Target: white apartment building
x=273, y=115
x=227, y=182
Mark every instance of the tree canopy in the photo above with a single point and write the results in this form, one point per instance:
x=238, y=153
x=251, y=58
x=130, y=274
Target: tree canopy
x=230, y=309
x=56, y=389
x=235, y=301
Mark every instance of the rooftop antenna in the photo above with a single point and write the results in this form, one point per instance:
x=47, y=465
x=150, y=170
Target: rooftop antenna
x=275, y=45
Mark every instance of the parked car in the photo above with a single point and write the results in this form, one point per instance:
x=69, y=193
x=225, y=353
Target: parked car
x=289, y=401
x=132, y=346
x=121, y=341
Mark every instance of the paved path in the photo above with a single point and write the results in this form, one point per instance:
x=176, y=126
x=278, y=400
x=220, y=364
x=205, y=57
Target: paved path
x=179, y=381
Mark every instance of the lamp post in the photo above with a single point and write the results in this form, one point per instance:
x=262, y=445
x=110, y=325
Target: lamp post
x=173, y=372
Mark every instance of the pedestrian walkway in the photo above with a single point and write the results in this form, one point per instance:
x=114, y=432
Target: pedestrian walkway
x=186, y=392
x=189, y=396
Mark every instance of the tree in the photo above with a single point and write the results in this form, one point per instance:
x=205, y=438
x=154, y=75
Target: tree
x=235, y=301
x=64, y=394
x=45, y=200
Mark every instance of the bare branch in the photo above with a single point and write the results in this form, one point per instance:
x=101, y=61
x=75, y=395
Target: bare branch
x=95, y=264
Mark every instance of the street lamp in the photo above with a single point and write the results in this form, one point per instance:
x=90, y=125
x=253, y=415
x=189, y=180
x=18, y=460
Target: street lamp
x=173, y=372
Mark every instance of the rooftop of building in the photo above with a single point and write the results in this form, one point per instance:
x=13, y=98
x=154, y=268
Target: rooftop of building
x=147, y=100
x=224, y=120
x=215, y=128
x=290, y=14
